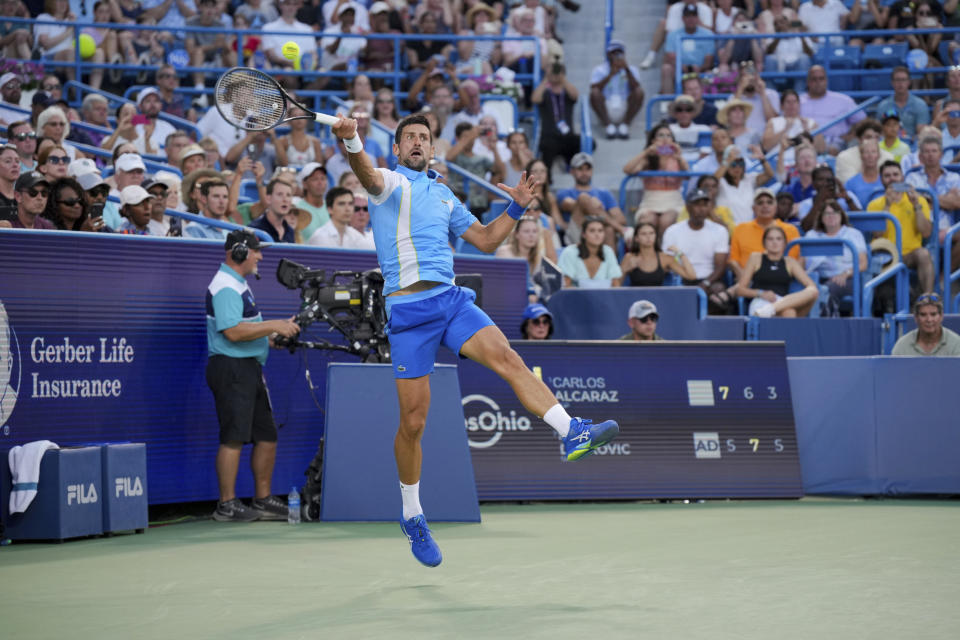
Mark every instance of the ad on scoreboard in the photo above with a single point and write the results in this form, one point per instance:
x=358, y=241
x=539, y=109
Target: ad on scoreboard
x=697, y=420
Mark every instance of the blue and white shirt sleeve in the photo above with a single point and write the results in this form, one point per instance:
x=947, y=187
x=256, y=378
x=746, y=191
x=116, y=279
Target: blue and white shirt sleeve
x=460, y=218
x=227, y=308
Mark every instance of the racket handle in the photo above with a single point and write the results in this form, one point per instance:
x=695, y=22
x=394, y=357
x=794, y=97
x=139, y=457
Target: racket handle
x=328, y=120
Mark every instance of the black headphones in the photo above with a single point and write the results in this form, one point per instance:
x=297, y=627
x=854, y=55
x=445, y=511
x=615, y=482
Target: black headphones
x=240, y=251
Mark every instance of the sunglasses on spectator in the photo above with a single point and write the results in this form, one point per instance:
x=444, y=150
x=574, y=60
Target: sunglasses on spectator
x=928, y=297
x=739, y=162
x=650, y=318
x=51, y=87
x=542, y=320
x=166, y=75
x=361, y=208
x=25, y=136
x=43, y=193
x=683, y=109
x=70, y=202
x=58, y=159
x=100, y=191
x=13, y=84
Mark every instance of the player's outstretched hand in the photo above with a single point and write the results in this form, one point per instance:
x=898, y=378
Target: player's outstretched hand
x=344, y=128
x=523, y=193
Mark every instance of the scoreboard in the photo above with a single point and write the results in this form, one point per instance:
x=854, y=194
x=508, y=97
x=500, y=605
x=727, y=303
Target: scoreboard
x=697, y=420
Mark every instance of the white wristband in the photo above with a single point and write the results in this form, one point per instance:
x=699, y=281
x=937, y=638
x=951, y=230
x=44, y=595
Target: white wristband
x=353, y=145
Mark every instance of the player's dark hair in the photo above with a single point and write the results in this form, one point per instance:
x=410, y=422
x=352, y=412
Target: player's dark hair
x=410, y=120
x=335, y=193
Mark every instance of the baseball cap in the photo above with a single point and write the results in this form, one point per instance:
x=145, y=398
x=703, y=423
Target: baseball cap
x=764, y=192
x=641, y=309
x=90, y=180
x=29, y=180
x=581, y=159
x=41, y=98
x=615, y=45
x=889, y=113
x=81, y=166
x=149, y=91
x=130, y=162
x=785, y=194
x=690, y=9
x=153, y=182
x=308, y=170
x=191, y=150
x=7, y=77
x=378, y=7
x=134, y=194
x=346, y=7
x=238, y=236
x=536, y=310
x=698, y=194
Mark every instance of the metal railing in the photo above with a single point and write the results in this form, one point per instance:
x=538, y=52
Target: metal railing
x=832, y=247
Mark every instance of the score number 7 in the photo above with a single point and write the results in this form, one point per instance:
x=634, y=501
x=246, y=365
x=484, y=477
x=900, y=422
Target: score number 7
x=747, y=392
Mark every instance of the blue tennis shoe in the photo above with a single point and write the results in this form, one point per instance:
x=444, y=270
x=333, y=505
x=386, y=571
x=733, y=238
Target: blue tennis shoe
x=421, y=542
x=584, y=437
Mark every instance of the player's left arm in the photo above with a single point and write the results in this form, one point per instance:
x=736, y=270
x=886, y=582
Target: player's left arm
x=490, y=236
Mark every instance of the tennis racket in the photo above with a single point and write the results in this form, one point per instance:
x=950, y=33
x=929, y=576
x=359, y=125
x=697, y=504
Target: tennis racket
x=251, y=100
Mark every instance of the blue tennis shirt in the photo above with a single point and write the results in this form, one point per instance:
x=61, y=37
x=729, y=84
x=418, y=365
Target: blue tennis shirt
x=230, y=302
x=413, y=218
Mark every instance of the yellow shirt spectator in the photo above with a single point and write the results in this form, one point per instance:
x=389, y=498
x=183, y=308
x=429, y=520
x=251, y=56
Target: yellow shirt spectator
x=903, y=211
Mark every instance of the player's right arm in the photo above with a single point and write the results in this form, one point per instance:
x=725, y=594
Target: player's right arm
x=360, y=162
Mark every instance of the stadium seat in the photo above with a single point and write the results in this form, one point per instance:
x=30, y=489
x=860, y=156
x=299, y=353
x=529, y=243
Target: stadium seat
x=840, y=57
x=832, y=247
x=496, y=208
x=943, y=52
x=248, y=189
x=881, y=56
x=504, y=109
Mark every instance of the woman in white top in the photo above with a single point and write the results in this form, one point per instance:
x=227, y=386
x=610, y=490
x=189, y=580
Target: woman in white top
x=736, y=185
x=56, y=41
x=591, y=264
x=789, y=125
x=775, y=9
x=733, y=115
x=836, y=271
x=298, y=147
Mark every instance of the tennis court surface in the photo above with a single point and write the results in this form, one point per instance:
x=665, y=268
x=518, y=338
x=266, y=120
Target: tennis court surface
x=815, y=569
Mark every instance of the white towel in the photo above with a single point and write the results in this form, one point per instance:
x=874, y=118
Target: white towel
x=25, y=469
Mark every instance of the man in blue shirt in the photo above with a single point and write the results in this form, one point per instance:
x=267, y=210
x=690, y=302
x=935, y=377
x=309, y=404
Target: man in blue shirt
x=914, y=112
x=237, y=342
x=694, y=55
x=413, y=216
x=584, y=200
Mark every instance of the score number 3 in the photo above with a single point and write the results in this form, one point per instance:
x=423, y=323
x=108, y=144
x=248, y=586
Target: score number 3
x=748, y=392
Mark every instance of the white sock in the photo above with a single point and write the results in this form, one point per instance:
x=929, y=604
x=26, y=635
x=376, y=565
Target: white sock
x=558, y=418
x=411, y=500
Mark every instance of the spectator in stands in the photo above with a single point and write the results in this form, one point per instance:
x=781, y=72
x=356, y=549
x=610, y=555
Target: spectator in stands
x=360, y=220
x=733, y=115
x=642, y=319
x=848, y=160
x=519, y=157
x=555, y=99
x=801, y=187
x=257, y=12
x=279, y=201
x=337, y=232
x=31, y=191
x=529, y=241
x=16, y=41
x=825, y=187
x=766, y=21
x=519, y=54
x=662, y=199
x=719, y=214
x=719, y=141
x=767, y=277
x=863, y=184
x=543, y=192
x=590, y=264
x=615, y=92
x=891, y=142
x=105, y=40
x=537, y=322
x=912, y=110
x=765, y=102
x=9, y=172
x=788, y=54
x=136, y=207
x=10, y=95
x=52, y=162
x=313, y=180
x=378, y=53
x=193, y=183
x=159, y=224
x=697, y=55
x=173, y=146
x=788, y=125
x=470, y=109
x=173, y=14
x=479, y=57
x=953, y=93
x=685, y=132
x=946, y=184
x=341, y=53
x=213, y=204
x=152, y=135
x=385, y=109
x=168, y=82
x=124, y=132
x=192, y=157
x=747, y=237
x=479, y=165
x=53, y=124
x=420, y=51
x=927, y=15
x=298, y=148
x=645, y=265
x=130, y=171
x=673, y=22
x=273, y=44
x=949, y=123
x=94, y=110
x=930, y=338
x=22, y=136
x=68, y=207
x=829, y=16
x=737, y=187
x=733, y=53
x=259, y=146
x=822, y=105
x=584, y=200
x=836, y=271
x=55, y=41
x=705, y=244
x=913, y=212
x=703, y=111
x=208, y=48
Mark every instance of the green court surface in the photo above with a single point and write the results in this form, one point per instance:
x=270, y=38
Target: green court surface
x=814, y=569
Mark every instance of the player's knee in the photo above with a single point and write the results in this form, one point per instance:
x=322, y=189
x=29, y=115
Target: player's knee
x=412, y=426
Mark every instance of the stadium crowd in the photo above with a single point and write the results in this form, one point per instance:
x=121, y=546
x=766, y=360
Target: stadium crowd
x=725, y=184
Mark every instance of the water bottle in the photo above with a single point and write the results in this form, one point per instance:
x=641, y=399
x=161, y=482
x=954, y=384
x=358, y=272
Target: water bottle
x=293, y=506
x=259, y=59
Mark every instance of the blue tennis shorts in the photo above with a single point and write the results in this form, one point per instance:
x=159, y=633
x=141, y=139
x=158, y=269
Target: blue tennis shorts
x=419, y=325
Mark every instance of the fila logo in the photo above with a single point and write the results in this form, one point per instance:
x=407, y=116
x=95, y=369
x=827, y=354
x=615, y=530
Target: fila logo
x=81, y=494
x=129, y=487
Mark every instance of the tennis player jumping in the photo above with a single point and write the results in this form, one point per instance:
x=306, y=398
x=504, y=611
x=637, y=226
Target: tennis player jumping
x=412, y=216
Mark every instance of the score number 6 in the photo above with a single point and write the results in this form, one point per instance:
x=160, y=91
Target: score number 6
x=748, y=393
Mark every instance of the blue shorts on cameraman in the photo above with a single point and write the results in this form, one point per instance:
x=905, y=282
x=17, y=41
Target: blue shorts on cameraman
x=421, y=322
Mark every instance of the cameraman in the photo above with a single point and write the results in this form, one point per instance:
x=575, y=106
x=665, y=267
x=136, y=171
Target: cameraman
x=237, y=341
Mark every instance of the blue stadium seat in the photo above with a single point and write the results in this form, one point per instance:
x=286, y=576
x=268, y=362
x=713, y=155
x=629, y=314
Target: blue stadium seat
x=248, y=189
x=881, y=56
x=943, y=52
x=840, y=57
x=496, y=208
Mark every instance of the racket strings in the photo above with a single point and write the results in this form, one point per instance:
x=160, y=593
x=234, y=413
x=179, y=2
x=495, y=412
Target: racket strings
x=250, y=99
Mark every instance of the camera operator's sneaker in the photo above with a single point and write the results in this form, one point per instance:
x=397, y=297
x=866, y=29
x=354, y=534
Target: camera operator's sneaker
x=421, y=542
x=584, y=437
x=270, y=508
x=235, y=511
